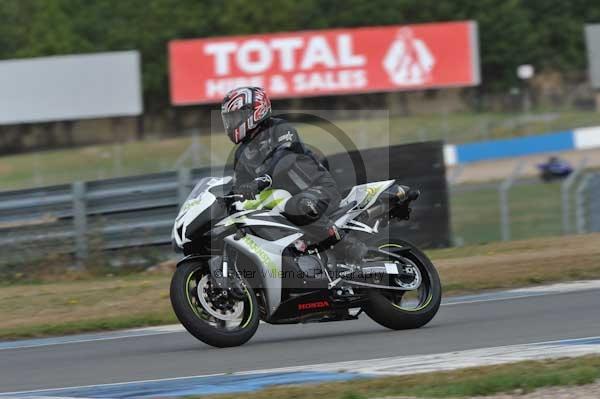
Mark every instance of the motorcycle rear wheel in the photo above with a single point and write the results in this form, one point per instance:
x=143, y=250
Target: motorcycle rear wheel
x=386, y=307
x=212, y=325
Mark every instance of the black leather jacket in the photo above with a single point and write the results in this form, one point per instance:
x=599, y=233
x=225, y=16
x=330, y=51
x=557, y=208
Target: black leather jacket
x=277, y=151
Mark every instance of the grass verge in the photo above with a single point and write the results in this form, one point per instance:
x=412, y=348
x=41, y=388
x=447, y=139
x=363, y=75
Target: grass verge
x=514, y=264
x=87, y=303
x=67, y=307
x=521, y=377
x=89, y=325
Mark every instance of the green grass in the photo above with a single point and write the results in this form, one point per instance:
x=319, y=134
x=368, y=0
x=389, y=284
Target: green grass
x=490, y=248
x=475, y=215
x=535, y=211
x=521, y=377
x=104, y=161
x=89, y=163
x=83, y=302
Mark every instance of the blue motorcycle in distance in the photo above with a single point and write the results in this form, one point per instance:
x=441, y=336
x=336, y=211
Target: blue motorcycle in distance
x=554, y=169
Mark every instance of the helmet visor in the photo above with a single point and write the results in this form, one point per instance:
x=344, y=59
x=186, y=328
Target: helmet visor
x=234, y=119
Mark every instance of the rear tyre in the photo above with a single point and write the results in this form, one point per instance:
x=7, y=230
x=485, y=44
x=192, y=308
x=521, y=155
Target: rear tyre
x=391, y=309
x=222, y=323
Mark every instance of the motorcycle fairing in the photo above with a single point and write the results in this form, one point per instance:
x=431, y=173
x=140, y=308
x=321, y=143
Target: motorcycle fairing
x=257, y=216
x=268, y=256
x=271, y=199
x=199, y=200
x=363, y=196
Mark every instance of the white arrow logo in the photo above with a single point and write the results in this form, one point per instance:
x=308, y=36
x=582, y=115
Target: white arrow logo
x=408, y=60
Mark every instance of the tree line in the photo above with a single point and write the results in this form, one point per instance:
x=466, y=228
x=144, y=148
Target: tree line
x=545, y=33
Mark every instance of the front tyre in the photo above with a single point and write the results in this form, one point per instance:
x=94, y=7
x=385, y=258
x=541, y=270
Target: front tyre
x=208, y=313
x=402, y=310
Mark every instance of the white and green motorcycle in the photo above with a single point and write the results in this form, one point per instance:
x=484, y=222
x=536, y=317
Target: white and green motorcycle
x=245, y=262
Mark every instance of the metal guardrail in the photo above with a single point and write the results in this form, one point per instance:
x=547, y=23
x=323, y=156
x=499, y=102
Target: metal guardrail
x=109, y=214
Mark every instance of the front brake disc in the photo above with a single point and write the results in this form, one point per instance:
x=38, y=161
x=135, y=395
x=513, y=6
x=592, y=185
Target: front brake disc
x=235, y=313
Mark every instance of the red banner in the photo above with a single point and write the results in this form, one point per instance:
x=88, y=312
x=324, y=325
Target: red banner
x=327, y=62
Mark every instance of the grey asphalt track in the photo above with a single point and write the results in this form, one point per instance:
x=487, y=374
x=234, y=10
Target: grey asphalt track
x=457, y=327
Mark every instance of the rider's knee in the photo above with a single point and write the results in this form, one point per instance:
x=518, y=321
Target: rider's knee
x=306, y=207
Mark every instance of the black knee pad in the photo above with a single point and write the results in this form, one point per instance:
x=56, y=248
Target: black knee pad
x=305, y=208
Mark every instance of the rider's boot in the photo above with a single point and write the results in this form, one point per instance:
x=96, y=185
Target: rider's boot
x=352, y=250
x=346, y=247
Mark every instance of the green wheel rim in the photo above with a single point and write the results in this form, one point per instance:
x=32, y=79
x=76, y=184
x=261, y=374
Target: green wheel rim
x=195, y=310
x=429, y=295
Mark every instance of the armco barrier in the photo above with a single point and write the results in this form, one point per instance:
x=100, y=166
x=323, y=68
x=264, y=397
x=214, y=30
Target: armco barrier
x=121, y=213
x=577, y=139
x=139, y=210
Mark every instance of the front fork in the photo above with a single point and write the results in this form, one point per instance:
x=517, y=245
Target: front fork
x=226, y=277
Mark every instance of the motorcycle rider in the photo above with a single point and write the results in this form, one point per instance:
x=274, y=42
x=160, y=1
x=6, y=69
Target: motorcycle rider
x=271, y=154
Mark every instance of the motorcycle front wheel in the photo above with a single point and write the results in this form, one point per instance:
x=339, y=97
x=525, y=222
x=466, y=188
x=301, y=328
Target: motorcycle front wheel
x=402, y=310
x=210, y=314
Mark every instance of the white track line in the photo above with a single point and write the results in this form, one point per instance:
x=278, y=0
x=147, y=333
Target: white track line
x=83, y=338
x=403, y=365
x=520, y=293
x=116, y=384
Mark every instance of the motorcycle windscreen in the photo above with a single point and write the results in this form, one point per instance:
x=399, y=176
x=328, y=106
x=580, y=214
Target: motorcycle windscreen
x=216, y=185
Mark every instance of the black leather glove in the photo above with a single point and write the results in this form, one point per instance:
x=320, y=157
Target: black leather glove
x=251, y=189
x=248, y=190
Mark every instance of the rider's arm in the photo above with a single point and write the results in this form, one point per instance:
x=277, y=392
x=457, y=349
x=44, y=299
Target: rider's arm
x=287, y=163
x=284, y=143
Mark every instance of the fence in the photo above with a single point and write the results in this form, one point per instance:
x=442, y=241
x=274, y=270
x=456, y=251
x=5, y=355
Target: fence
x=520, y=208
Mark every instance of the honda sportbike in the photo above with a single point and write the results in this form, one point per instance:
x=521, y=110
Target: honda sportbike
x=245, y=262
